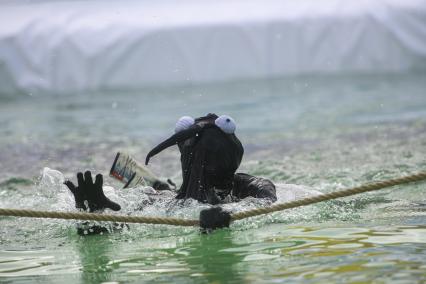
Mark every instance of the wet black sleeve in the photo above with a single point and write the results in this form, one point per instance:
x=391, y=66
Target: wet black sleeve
x=246, y=185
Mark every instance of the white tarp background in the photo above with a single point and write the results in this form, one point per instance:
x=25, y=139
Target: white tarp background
x=79, y=46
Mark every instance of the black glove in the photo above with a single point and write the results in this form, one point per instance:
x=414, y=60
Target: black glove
x=214, y=218
x=159, y=185
x=90, y=192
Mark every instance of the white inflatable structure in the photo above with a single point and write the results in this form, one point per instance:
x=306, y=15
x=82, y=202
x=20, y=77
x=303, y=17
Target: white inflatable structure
x=82, y=46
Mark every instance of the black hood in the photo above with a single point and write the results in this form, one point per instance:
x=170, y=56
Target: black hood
x=209, y=158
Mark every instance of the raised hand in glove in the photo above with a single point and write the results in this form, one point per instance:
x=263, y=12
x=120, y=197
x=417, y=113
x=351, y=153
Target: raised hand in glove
x=90, y=194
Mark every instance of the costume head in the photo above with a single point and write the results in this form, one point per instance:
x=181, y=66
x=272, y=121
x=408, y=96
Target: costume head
x=210, y=155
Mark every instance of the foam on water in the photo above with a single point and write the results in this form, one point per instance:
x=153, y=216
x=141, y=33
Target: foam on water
x=51, y=194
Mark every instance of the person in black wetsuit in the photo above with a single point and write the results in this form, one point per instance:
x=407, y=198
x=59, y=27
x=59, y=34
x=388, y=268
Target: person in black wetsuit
x=210, y=156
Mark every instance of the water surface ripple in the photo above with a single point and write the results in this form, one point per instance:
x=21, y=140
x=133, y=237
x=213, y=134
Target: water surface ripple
x=308, y=134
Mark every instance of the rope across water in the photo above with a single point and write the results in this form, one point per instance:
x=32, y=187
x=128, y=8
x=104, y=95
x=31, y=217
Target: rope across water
x=329, y=196
x=97, y=217
x=237, y=216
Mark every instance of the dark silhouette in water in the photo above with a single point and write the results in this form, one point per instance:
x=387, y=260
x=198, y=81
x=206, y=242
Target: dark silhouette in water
x=210, y=155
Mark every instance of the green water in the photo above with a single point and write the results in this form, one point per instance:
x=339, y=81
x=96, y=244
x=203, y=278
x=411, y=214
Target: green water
x=307, y=134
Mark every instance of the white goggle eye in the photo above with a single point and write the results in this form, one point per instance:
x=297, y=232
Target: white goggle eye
x=226, y=124
x=184, y=123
